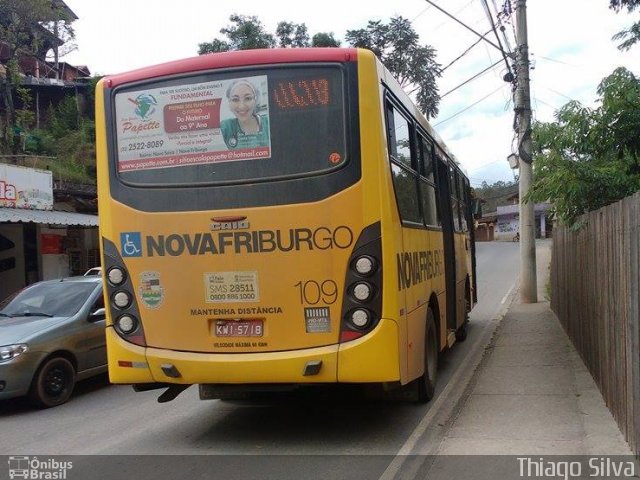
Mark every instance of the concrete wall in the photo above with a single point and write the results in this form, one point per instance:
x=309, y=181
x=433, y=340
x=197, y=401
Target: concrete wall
x=507, y=227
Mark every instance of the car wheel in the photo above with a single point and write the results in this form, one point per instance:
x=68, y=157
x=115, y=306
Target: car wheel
x=53, y=382
x=427, y=382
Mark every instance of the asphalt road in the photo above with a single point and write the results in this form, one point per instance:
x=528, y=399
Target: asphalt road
x=108, y=419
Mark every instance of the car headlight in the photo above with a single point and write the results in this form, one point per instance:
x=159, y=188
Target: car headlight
x=9, y=352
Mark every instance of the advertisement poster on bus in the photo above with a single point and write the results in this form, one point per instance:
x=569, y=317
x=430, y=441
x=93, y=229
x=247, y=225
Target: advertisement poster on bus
x=193, y=124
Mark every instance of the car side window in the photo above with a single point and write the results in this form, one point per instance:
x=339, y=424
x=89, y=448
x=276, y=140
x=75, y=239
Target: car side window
x=99, y=303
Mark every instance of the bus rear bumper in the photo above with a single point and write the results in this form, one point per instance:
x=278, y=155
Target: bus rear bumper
x=243, y=368
x=373, y=358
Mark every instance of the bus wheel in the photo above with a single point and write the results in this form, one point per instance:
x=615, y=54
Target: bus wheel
x=53, y=383
x=461, y=333
x=427, y=382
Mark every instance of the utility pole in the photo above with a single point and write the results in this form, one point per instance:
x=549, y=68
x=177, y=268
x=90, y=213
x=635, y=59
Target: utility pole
x=528, y=277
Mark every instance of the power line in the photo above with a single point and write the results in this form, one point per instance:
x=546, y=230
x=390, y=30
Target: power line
x=493, y=27
x=464, y=25
x=557, y=61
x=559, y=93
x=470, y=79
x=463, y=53
x=470, y=106
x=485, y=165
x=544, y=103
x=456, y=13
x=505, y=13
x=423, y=11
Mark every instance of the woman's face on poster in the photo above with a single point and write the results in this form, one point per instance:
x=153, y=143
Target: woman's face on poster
x=242, y=101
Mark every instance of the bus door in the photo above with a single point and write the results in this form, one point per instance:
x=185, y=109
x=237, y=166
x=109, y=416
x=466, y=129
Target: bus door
x=444, y=197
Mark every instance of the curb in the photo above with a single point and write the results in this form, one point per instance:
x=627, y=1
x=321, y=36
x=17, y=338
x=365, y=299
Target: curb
x=424, y=442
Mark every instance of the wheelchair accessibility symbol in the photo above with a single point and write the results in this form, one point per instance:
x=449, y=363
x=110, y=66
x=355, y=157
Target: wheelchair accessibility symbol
x=131, y=244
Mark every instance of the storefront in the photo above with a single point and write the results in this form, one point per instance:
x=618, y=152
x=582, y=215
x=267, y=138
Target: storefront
x=508, y=221
x=36, y=241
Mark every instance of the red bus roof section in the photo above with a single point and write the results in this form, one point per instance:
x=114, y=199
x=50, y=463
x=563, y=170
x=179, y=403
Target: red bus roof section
x=235, y=59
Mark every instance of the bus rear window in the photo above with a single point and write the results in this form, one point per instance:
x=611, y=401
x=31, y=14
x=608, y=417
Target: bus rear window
x=231, y=127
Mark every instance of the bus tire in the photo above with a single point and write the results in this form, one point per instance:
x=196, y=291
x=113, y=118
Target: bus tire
x=461, y=333
x=427, y=382
x=53, y=383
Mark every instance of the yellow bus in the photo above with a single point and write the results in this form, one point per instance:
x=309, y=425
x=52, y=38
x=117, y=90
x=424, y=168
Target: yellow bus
x=277, y=218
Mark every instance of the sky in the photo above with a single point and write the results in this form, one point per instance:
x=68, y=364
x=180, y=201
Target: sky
x=569, y=43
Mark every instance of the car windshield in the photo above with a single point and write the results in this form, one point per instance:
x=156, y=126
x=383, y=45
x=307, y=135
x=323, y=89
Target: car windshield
x=61, y=299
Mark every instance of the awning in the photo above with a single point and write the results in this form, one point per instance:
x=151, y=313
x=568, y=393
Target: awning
x=47, y=216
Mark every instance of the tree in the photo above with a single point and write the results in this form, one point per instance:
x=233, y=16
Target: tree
x=27, y=28
x=414, y=65
x=631, y=35
x=296, y=35
x=396, y=44
x=324, y=40
x=495, y=194
x=589, y=158
x=247, y=32
x=244, y=33
x=292, y=35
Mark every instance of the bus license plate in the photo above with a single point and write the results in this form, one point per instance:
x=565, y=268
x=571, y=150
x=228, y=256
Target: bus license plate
x=239, y=328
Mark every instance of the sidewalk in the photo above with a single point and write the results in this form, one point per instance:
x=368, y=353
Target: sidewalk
x=531, y=393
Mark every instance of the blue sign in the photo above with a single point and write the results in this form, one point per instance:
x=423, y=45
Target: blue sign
x=131, y=244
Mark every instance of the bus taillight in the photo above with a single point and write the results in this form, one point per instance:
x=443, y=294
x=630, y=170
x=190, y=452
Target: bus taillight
x=123, y=307
x=362, y=301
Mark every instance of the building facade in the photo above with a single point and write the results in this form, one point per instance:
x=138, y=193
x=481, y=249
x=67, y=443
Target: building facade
x=508, y=221
x=39, y=238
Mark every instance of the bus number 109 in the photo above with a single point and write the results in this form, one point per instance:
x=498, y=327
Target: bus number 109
x=311, y=292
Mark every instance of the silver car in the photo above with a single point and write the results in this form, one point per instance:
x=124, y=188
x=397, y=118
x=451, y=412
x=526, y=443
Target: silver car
x=51, y=335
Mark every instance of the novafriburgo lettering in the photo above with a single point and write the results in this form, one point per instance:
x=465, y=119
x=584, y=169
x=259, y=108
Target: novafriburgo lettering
x=259, y=241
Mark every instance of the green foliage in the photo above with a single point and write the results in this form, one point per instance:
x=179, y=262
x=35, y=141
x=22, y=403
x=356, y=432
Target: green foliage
x=629, y=36
x=495, y=194
x=414, y=65
x=215, y=46
x=244, y=33
x=70, y=172
x=396, y=44
x=324, y=40
x=292, y=35
x=247, y=32
x=618, y=5
x=24, y=24
x=589, y=158
x=71, y=136
x=64, y=118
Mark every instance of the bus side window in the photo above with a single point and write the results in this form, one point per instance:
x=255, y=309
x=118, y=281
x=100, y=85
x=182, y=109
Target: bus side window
x=427, y=184
x=455, y=204
x=464, y=202
x=405, y=178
